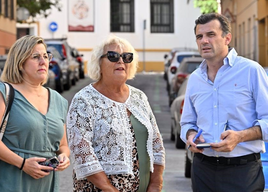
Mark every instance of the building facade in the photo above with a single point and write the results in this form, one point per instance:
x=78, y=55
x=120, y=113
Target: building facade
x=7, y=25
x=153, y=27
x=263, y=32
x=249, y=27
x=243, y=15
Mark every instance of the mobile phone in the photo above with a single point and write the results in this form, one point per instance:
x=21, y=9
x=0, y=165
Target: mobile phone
x=51, y=162
x=202, y=145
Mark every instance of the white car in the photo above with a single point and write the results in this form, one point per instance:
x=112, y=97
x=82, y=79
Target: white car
x=179, y=56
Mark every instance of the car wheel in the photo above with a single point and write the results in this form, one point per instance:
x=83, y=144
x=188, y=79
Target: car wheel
x=188, y=166
x=165, y=76
x=67, y=86
x=59, y=86
x=172, y=135
x=82, y=74
x=178, y=142
x=167, y=86
x=74, y=81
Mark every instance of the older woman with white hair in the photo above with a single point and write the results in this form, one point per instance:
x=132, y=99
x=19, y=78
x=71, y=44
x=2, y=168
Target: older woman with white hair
x=113, y=136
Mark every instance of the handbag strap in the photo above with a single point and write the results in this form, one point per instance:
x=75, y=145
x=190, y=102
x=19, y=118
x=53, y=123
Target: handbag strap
x=9, y=100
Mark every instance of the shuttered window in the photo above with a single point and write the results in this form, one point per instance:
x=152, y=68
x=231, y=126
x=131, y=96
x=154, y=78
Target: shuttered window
x=122, y=15
x=162, y=16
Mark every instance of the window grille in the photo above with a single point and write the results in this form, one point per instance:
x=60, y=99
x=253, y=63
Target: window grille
x=162, y=16
x=122, y=15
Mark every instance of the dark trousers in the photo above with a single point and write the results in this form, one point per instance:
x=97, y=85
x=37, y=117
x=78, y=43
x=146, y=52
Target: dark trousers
x=213, y=177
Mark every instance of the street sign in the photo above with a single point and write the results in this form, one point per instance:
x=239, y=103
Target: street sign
x=53, y=26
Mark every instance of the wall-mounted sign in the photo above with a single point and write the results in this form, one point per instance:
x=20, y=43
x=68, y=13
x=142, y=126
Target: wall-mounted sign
x=81, y=15
x=53, y=26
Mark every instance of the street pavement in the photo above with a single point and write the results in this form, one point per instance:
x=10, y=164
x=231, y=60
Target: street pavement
x=153, y=85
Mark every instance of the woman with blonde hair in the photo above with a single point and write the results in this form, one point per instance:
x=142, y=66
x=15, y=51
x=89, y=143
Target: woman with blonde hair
x=112, y=132
x=35, y=129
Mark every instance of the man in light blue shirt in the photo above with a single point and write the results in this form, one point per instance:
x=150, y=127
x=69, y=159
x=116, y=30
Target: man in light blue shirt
x=226, y=98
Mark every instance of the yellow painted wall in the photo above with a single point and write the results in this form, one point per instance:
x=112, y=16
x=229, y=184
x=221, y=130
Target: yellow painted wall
x=7, y=31
x=262, y=9
x=244, y=26
x=149, y=66
x=263, y=27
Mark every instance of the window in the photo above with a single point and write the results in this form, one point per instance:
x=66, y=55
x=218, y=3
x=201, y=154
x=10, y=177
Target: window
x=0, y=7
x=122, y=15
x=12, y=9
x=162, y=16
x=6, y=8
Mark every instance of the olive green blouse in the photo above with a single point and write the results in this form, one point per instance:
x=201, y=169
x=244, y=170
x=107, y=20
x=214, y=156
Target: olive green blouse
x=141, y=136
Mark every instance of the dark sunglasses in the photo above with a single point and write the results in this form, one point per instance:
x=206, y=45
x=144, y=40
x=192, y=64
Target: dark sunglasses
x=114, y=56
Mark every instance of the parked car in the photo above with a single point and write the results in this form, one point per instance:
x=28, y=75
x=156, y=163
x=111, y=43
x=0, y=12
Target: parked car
x=168, y=57
x=175, y=112
x=60, y=68
x=187, y=66
x=3, y=59
x=80, y=60
x=66, y=52
x=51, y=79
x=179, y=56
x=167, y=60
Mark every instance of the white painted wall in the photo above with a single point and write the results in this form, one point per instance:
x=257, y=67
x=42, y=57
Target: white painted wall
x=183, y=36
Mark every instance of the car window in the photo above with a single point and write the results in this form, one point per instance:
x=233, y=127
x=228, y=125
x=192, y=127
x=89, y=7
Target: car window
x=181, y=57
x=192, y=66
x=58, y=47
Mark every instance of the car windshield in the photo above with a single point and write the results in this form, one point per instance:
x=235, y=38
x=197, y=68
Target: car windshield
x=181, y=57
x=57, y=46
x=192, y=66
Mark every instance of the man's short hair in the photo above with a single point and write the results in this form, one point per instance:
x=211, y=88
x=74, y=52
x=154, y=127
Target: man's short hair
x=224, y=21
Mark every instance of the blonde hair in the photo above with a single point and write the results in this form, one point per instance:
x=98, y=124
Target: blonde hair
x=17, y=55
x=94, y=66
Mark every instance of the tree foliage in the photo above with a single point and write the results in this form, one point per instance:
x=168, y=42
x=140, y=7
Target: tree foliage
x=39, y=7
x=207, y=6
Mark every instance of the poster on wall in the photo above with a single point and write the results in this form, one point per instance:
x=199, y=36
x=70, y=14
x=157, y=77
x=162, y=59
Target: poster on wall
x=81, y=15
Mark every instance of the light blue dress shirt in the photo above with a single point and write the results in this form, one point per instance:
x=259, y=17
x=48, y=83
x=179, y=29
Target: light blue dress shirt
x=238, y=94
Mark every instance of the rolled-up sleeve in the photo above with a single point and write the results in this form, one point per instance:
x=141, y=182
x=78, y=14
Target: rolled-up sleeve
x=260, y=94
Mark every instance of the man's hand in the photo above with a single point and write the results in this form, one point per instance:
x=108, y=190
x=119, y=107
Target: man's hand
x=190, y=136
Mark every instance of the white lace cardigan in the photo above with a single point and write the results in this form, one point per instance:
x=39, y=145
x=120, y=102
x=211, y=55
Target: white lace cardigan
x=99, y=134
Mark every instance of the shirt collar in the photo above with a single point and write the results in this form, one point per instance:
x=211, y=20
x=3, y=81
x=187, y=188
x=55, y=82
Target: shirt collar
x=228, y=60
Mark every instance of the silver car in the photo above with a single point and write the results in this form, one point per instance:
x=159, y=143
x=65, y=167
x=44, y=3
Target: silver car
x=187, y=66
x=176, y=111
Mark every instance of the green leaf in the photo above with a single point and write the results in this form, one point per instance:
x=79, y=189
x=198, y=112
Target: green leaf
x=206, y=6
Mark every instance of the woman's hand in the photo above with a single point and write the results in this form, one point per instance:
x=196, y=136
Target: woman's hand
x=156, y=179
x=34, y=169
x=64, y=162
x=154, y=187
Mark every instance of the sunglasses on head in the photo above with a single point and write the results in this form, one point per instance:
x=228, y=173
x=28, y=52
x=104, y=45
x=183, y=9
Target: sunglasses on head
x=114, y=56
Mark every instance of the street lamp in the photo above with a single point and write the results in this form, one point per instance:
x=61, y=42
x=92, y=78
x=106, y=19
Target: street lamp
x=22, y=14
